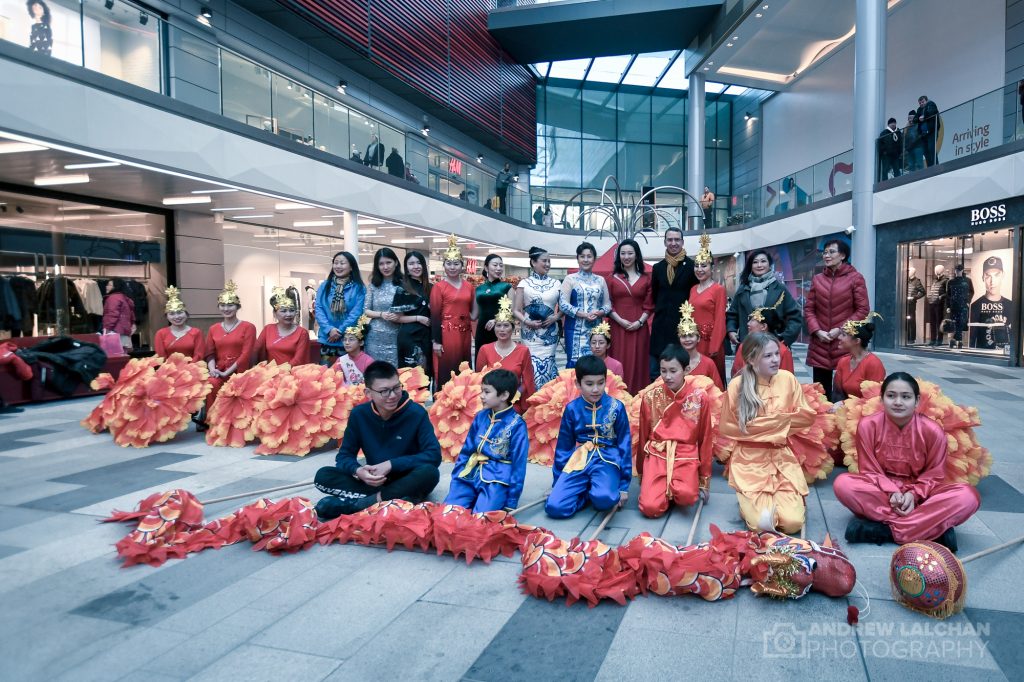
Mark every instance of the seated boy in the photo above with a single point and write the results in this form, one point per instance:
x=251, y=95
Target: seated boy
x=593, y=456
x=397, y=438
x=675, y=436
x=489, y=472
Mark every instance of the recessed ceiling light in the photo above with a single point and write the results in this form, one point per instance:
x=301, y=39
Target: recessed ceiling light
x=439, y=239
x=728, y=44
x=236, y=208
x=758, y=15
x=735, y=38
x=313, y=223
x=96, y=164
x=290, y=206
x=213, y=191
x=369, y=221
x=73, y=179
x=16, y=147
x=181, y=201
x=366, y=233
x=80, y=207
x=407, y=241
x=250, y=217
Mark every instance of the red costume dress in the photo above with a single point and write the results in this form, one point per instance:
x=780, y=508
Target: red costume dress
x=709, y=314
x=890, y=460
x=227, y=348
x=707, y=368
x=352, y=368
x=785, y=359
x=870, y=368
x=292, y=349
x=190, y=345
x=615, y=367
x=518, y=362
x=449, y=317
x=631, y=348
x=675, y=434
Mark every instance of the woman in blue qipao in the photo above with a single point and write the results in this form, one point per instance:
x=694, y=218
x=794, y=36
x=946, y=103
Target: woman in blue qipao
x=584, y=301
x=536, y=307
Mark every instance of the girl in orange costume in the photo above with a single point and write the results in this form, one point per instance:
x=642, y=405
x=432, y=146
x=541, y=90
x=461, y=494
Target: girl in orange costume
x=179, y=337
x=690, y=338
x=229, y=345
x=760, y=408
x=507, y=354
x=284, y=341
x=708, y=300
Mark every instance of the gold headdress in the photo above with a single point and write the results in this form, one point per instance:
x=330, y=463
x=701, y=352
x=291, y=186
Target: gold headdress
x=604, y=329
x=504, y=311
x=230, y=294
x=852, y=327
x=758, y=313
x=174, y=303
x=453, y=252
x=704, y=256
x=686, y=324
x=280, y=299
x=357, y=330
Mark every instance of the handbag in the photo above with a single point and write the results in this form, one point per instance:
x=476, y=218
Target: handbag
x=947, y=326
x=111, y=345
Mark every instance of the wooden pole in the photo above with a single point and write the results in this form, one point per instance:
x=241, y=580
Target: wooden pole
x=256, y=493
x=529, y=505
x=696, y=520
x=993, y=550
x=604, y=522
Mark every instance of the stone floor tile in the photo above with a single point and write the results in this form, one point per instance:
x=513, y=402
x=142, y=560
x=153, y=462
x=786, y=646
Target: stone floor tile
x=249, y=663
x=480, y=586
x=637, y=654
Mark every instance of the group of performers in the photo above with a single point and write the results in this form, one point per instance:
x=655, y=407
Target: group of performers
x=897, y=494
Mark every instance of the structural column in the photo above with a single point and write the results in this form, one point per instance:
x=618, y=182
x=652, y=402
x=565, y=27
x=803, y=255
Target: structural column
x=695, y=147
x=868, y=114
x=350, y=232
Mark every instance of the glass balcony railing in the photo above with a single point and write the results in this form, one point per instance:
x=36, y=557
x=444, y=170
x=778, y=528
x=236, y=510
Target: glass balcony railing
x=815, y=183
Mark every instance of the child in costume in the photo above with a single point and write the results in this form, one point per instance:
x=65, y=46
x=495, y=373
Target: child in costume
x=690, y=339
x=354, y=362
x=490, y=470
x=600, y=342
x=899, y=493
x=504, y=353
x=760, y=408
x=675, y=437
x=766, y=320
x=593, y=457
x=859, y=364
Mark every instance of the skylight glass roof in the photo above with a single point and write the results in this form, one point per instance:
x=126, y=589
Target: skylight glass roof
x=609, y=69
x=572, y=69
x=647, y=68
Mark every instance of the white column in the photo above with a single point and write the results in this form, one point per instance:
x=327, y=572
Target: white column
x=868, y=115
x=695, y=147
x=350, y=232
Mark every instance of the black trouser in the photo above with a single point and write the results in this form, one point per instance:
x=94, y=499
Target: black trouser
x=413, y=485
x=502, y=193
x=911, y=321
x=929, y=148
x=936, y=311
x=886, y=164
x=959, y=322
x=709, y=217
x=823, y=376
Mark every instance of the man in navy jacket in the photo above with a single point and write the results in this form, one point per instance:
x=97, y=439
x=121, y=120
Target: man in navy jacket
x=398, y=441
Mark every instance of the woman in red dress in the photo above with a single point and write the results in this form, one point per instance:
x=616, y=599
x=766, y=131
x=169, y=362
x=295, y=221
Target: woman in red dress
x=451, y=302
x=507, y=354
x=629, y=287
x=285, y=341
x=179, y=337
x=229, y=345
x=690, y=338
x=708, y=299
x=860, y=364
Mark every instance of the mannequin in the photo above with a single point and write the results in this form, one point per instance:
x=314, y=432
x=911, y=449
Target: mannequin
x=960, y=292
x=311, y=287
x=936, y=298
x=915, y=292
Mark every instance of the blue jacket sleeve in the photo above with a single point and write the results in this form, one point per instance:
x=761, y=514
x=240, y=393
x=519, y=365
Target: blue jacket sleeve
x=428, y=450
x=625, y=445
x=351, y=444
x=566, y=442
x=520, y=449
x=355, y=302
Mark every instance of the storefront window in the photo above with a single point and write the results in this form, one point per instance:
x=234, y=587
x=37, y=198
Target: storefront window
x=292, y=105
x=245, y=92
x=958, y=293
x=330, y=121
x=57, y=258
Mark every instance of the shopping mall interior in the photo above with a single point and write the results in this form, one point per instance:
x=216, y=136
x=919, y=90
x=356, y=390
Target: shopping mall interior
x=191, y=143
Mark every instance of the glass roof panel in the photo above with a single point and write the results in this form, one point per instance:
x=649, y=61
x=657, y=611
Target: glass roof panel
x=572, y=69
x=713, y=88
x=735, y=90
x=647, y=68
x=675, y=78
x=541, y=69
x=608, y=69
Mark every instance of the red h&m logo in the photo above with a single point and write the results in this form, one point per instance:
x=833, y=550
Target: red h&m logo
x=454, y=166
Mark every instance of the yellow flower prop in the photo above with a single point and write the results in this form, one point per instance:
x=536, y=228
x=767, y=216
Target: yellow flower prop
x=454, y=408
x=966, y=460
x=298, y=410
x=231, y=416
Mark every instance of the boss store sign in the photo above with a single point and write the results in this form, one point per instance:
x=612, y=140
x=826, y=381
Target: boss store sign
x=996, y=213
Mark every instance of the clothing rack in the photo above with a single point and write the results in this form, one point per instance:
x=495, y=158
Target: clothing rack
x=38, y=264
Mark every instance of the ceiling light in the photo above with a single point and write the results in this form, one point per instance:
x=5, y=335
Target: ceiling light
x=143, y=18
x=707, y=68
x=439, y=239
x=728, y=44
x=235, y=208
x=73, y=179
x=213, y=191
x=735, y=38
x=366, y=233
x=407, y=241
x=764, y=7
x=205, y=15
x=479, y=158
x=369, y=221
x=425, y=130
x=290, y=206
x=251, y=217
x=78, y=207
x=96, y=164
x=758, y=15
x=342, y=86
x=313, y=223
x=16, y=147
x=747, y=116
x=181, y=201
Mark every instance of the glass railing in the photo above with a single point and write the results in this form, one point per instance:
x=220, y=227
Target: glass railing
x=815, y=183
x=112, y=37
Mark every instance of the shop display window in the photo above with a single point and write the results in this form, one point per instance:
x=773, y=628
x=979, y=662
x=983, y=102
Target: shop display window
x=973, y=311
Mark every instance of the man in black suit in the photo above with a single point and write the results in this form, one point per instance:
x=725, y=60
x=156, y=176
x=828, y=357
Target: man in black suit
x=928, y=125
x=374, y=156
x=671, y=281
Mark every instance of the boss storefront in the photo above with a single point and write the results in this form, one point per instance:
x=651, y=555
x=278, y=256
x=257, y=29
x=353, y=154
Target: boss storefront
x=957, y=282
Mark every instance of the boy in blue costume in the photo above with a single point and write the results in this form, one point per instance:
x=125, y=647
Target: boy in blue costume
x=593, y=457
x=490, y=470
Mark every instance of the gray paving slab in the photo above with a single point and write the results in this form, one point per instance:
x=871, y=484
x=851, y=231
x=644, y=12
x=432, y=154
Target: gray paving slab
x=250, y=663
x=480, y=586
x=658, y=655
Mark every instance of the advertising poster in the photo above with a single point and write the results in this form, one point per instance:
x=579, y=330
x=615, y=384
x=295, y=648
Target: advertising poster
x=991, y=310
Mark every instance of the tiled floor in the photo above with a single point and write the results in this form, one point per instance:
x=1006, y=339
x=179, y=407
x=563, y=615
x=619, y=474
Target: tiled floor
x=357, y=613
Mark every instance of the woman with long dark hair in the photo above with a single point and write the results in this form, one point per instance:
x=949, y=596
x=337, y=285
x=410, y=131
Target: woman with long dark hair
x=629, y=289
x=584, y=302
x=119, y=313
x=708, y=300
x=412, y=303
x=536, y=307
x=451, y=302
x=485, y=302
x=41, y=37
x=759, y=287
x=385, y=281
x=339, y=303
